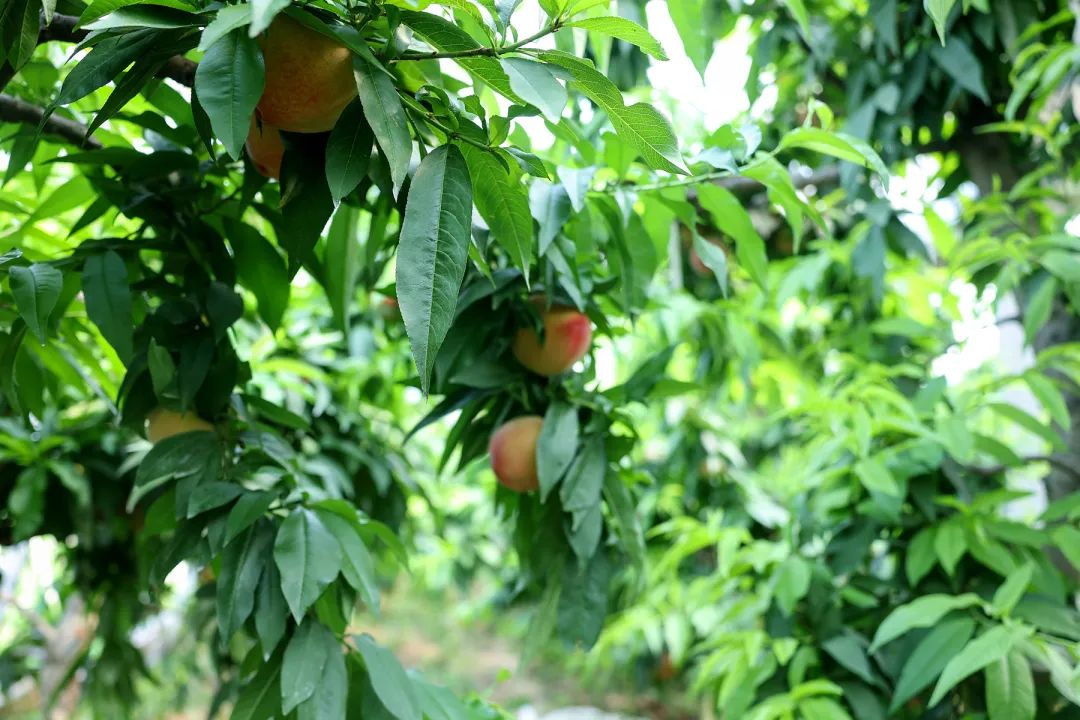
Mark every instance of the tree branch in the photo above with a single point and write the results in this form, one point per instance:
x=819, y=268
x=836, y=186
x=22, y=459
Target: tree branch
x=16, y=110
x=738, y=185
x=63, y=29
x=479, y=51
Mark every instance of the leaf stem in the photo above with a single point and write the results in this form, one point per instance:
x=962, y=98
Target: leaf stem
x=479, y=51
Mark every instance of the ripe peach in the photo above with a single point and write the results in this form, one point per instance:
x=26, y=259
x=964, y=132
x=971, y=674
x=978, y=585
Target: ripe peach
x=388, y=309
x=163, y=423
x=567, y=335
x=513, y=453
x=309, y=78
x=265, y=148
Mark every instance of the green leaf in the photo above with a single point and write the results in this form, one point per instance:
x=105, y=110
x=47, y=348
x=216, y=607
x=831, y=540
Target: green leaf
x=583, y=601
x=306, y=204
x=242, y=566
x=308, y=559
x=876, y=478
x=36, y=289
x=950, y=544
x=329, y=702
x=210, y=495
x=920, y=556
x=556, y=446
x=162, y=370
x=503, y=202
x=49, y=8
x=250, y=507
x=641, y=125
x=714, y=258
x=988, y=648
x=228, y=18
x=343, y=263
x=798, y=11
x=133, y=81
x=229, y=82
x=104, y=62
x=1010, y=592
x=729, y=216
x=770, y=173
x=392, y=686
x=385, y=114
x=101, y=8
x=623, y=29
x=261, y=270
x=24, y=17
x=1010, y=688
x=144, y=16
x=692, y=22
x=433, y=251
x=850, y=651
x=550, y=206
x=1064, y=264
x=1029, y=423
x=348, y=151
x=1067, y=539
x=961, y=64
x=821, y=708
x=527, y=161
x=263, y=13
x=930, y=657
x=628, y=525
x=922, y=612
x=1050, y=397
x=939, y=12
x=584, y=530
x=259, y=698
x=271, y=612
x=193, y=454
x=791, y=583
x=305, y=659
x=956, y=438
x=1038, y=307
x=537, y=86
x=838, y=145
x=357, y=565
x=585, y=477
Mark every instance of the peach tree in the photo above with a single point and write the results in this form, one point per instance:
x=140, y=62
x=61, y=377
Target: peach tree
x=214, y=214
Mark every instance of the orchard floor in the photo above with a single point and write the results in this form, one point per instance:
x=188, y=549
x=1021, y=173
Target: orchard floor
x=458, y=644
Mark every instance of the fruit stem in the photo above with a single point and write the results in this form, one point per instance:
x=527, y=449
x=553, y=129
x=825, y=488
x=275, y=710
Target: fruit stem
x=480, y=51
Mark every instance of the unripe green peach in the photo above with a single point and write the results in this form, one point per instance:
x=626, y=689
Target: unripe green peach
x=309, y=78
x=513, y=453
x=163, y=423
x=567, y=336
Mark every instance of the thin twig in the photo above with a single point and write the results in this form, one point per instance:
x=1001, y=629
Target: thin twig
x=736, y=183
x=1062, y=465
x=479, y=51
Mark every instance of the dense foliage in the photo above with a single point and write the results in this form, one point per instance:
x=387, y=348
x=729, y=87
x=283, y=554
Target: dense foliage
x=762, y=459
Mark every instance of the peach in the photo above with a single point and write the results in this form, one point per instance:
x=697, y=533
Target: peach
x=265, y=148
x=163, y=423
x=513, y=453
x=567, y=336
x=388, y=309
x=309, y=78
